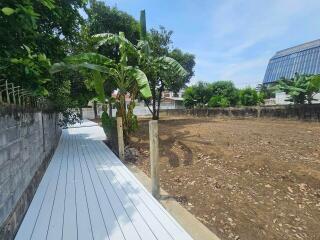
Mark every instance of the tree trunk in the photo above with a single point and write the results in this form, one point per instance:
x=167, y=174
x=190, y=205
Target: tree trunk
x=154, y=97
x=81, y=113
x=95, y=109
x=110, y=108
x=121, y=112
x=159, y=100
x=154, y=108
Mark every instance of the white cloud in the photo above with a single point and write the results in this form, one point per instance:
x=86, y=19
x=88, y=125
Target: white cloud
x=244, y=34
x=242, y=72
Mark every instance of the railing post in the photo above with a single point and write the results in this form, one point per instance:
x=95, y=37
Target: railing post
x=120, y=138
x=154, y=157
x=1, y=101
x=7, y=92
x=259, y=111
x=13, y=94
x=19, y=101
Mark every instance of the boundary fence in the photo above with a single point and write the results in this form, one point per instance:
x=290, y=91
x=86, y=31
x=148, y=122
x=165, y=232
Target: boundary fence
x=305, y=112
x=16, y=95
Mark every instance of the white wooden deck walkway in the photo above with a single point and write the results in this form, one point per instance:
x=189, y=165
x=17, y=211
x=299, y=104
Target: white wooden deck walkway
x=87, y=193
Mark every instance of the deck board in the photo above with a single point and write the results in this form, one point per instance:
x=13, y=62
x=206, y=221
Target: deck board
x=87, y=193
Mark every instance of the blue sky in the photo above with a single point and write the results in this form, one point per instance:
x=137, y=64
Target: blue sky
x=231, y=39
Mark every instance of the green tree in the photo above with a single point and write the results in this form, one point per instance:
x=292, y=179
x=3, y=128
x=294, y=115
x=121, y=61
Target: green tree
x=159, y=40
x=248, y=97
x=33, y=34
x=189, y=98
x=225, y=90
x=187, y=61
x=197, y=95
x=163, y=70
x=216, y=94
x=218, y=101
x=105, y=19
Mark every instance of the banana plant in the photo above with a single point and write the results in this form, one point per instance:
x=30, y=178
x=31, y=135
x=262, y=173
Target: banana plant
x=300, y=89
x=99, y=68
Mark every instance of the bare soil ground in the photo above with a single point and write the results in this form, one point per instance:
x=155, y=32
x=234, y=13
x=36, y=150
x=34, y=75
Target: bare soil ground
x=244, y=179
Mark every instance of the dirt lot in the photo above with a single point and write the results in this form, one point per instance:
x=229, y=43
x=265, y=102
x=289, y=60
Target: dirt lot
x=244, y=179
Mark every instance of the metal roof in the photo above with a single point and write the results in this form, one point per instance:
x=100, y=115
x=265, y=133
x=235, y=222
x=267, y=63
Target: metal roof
x=298, y=48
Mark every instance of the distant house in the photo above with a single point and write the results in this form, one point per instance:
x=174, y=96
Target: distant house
x=169, y=100
x=172, y=100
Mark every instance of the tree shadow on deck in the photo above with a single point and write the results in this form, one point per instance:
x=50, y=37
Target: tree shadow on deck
x=125, y=206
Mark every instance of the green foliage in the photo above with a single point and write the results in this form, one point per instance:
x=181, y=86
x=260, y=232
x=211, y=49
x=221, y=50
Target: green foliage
x=98, y=69
x=165, y=69
x=8, y=11
x=217, y=94
x=266, y=90
x=132, y=121
x=160, y=41
x=197, y=95
x=34, y=69
x=261, y=97
x=300, y=89
x=46, y=26
x=98, y=85
x=125, y=77
x=104, y=19
x=218, y=101
x=248, y=97
x=225, y=89
x=187, y=61
x=33, y=34
x=189, y=98
x=108, y=124
x=142, y=82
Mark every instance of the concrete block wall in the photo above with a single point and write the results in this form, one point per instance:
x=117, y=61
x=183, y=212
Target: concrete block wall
x=27, y=140
x=306, y=112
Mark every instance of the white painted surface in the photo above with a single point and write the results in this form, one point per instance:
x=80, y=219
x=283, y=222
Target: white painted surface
x=83, y=123
x=87, y=193
x=281, y=98
x=88, y=113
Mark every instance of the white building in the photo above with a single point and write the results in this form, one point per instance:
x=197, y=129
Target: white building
x=281, y=97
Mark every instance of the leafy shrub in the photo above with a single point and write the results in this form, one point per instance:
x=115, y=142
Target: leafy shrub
x=133, y=126
x=224, y=102
x=218, y=101
x=248, y=97
x=220, y=94
x=68, y=117
x=227, y=90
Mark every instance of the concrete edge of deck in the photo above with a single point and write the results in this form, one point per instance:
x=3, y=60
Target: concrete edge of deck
x=190, y=223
